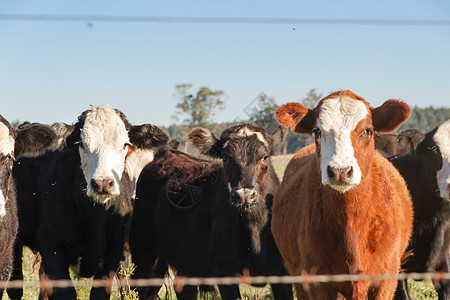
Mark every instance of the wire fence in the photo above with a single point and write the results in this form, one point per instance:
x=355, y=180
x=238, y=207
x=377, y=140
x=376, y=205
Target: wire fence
x=179, y=281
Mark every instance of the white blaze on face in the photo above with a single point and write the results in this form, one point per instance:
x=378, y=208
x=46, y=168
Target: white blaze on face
x=6, y=148
x=6, y=140
x=103, y=154
x=442, y=140
x=135, y=163
x=246, y=132
x=337, y=119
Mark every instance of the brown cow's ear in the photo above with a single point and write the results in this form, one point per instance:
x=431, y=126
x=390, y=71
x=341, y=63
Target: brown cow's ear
x=298, y=117
x=205, y=141
x=390, y=115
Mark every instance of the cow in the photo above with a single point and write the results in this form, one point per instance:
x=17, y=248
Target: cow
x=209, y=217
x=426, y=170
x=388, y=144
x=342, y=208
x=14, y=143
x=74, y=201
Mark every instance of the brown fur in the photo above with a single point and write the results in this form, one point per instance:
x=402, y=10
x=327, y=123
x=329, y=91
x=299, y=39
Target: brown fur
x=364, y=230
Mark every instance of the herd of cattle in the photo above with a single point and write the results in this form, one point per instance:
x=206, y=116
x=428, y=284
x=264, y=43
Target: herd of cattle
x=77, y=193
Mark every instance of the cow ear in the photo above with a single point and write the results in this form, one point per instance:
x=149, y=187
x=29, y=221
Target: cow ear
x=278, y=137
x=33, y=140
x=298, y=117
x=205, y=141
x=409, y=139
x=389, y=116
x=174, y=144
x=147, y=136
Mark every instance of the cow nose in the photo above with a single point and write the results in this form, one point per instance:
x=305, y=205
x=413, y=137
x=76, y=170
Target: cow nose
x=102, y=185
x=342, y=175
x=246, y=196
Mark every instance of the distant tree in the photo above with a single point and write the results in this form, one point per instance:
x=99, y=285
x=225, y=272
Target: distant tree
x=199, y=108
x=263, y=113
x=311, y=99
x=425, y=119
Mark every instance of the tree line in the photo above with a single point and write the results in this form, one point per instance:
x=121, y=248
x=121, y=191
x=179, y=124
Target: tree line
x=199, y=109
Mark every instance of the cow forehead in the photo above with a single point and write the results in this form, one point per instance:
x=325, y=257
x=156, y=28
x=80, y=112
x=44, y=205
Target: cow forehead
x=103, y=126
x=442, y=139
x=341, y=114
x=6, y=140
x=247, y=132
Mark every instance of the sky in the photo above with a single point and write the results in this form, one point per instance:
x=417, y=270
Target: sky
x=51, y=71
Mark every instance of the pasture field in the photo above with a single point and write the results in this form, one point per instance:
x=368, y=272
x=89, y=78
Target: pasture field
x=419, y=290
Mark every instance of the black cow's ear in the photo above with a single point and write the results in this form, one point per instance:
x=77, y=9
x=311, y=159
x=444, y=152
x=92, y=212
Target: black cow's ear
x=147, y=136
x=205, y=141
x=409, y=139
x=174, y=144
x=278, y=137
x=34, y=139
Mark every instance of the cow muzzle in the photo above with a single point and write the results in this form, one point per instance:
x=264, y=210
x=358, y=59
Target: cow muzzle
x=244, y=197
x=102, y=189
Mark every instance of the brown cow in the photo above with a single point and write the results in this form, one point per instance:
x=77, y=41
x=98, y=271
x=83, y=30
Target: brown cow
x=343, y=208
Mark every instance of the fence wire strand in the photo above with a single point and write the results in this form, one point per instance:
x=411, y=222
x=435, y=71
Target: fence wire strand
x=309, y=279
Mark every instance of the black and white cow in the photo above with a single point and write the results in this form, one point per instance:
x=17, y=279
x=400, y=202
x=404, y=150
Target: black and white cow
x=30, y=141
x=74, y=201
x=205, y=218
x=426, y=170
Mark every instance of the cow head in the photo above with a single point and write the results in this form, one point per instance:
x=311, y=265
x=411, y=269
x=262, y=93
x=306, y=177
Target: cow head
x=109, y=148
x=343, y=125
x=29, y=140
x=435, y=148
x=245, y=151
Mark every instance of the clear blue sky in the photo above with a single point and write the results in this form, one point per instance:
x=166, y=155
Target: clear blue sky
x=52, y=71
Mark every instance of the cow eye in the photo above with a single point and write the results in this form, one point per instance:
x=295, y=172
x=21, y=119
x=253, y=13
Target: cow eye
x=265, y=158
x=368, y=131
x=317, y=133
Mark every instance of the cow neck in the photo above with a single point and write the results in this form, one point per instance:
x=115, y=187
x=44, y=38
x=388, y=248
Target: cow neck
x=254, y=220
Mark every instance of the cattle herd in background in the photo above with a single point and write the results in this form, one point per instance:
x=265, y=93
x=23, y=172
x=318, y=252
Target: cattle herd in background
x=77, y=193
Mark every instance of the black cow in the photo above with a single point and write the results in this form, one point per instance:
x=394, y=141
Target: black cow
x=205, y=218
x=30, y=141
x=427, y=173
x=74, y=201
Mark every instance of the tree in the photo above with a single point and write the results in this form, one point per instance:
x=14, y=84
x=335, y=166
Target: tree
x=263, y=113
x=311, y=99
x=199, y=108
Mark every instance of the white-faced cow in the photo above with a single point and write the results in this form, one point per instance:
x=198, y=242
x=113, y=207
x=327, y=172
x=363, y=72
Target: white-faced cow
x=426, y=170
x=342, y=208
x=74, y=201
x=205, y=218
x=31, y=141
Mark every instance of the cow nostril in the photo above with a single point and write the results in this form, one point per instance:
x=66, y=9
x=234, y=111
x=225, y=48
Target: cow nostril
x=349, y=174
x=330, y=173
x=94, y=184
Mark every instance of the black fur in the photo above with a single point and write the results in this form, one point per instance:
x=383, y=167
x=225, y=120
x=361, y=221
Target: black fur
x=30, y=140
x=61, y=222
x=187, y=216
x=430, y=242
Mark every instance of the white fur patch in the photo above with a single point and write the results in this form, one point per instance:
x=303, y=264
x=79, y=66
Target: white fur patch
x=246, y=132
x=442, y=140
x=337, y=119
x=135, y=163
x=2, y=204
x=6, y=140
x=103, y=154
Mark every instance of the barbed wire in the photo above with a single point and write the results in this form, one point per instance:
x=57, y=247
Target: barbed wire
x=241, y=20
x=308, y=279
